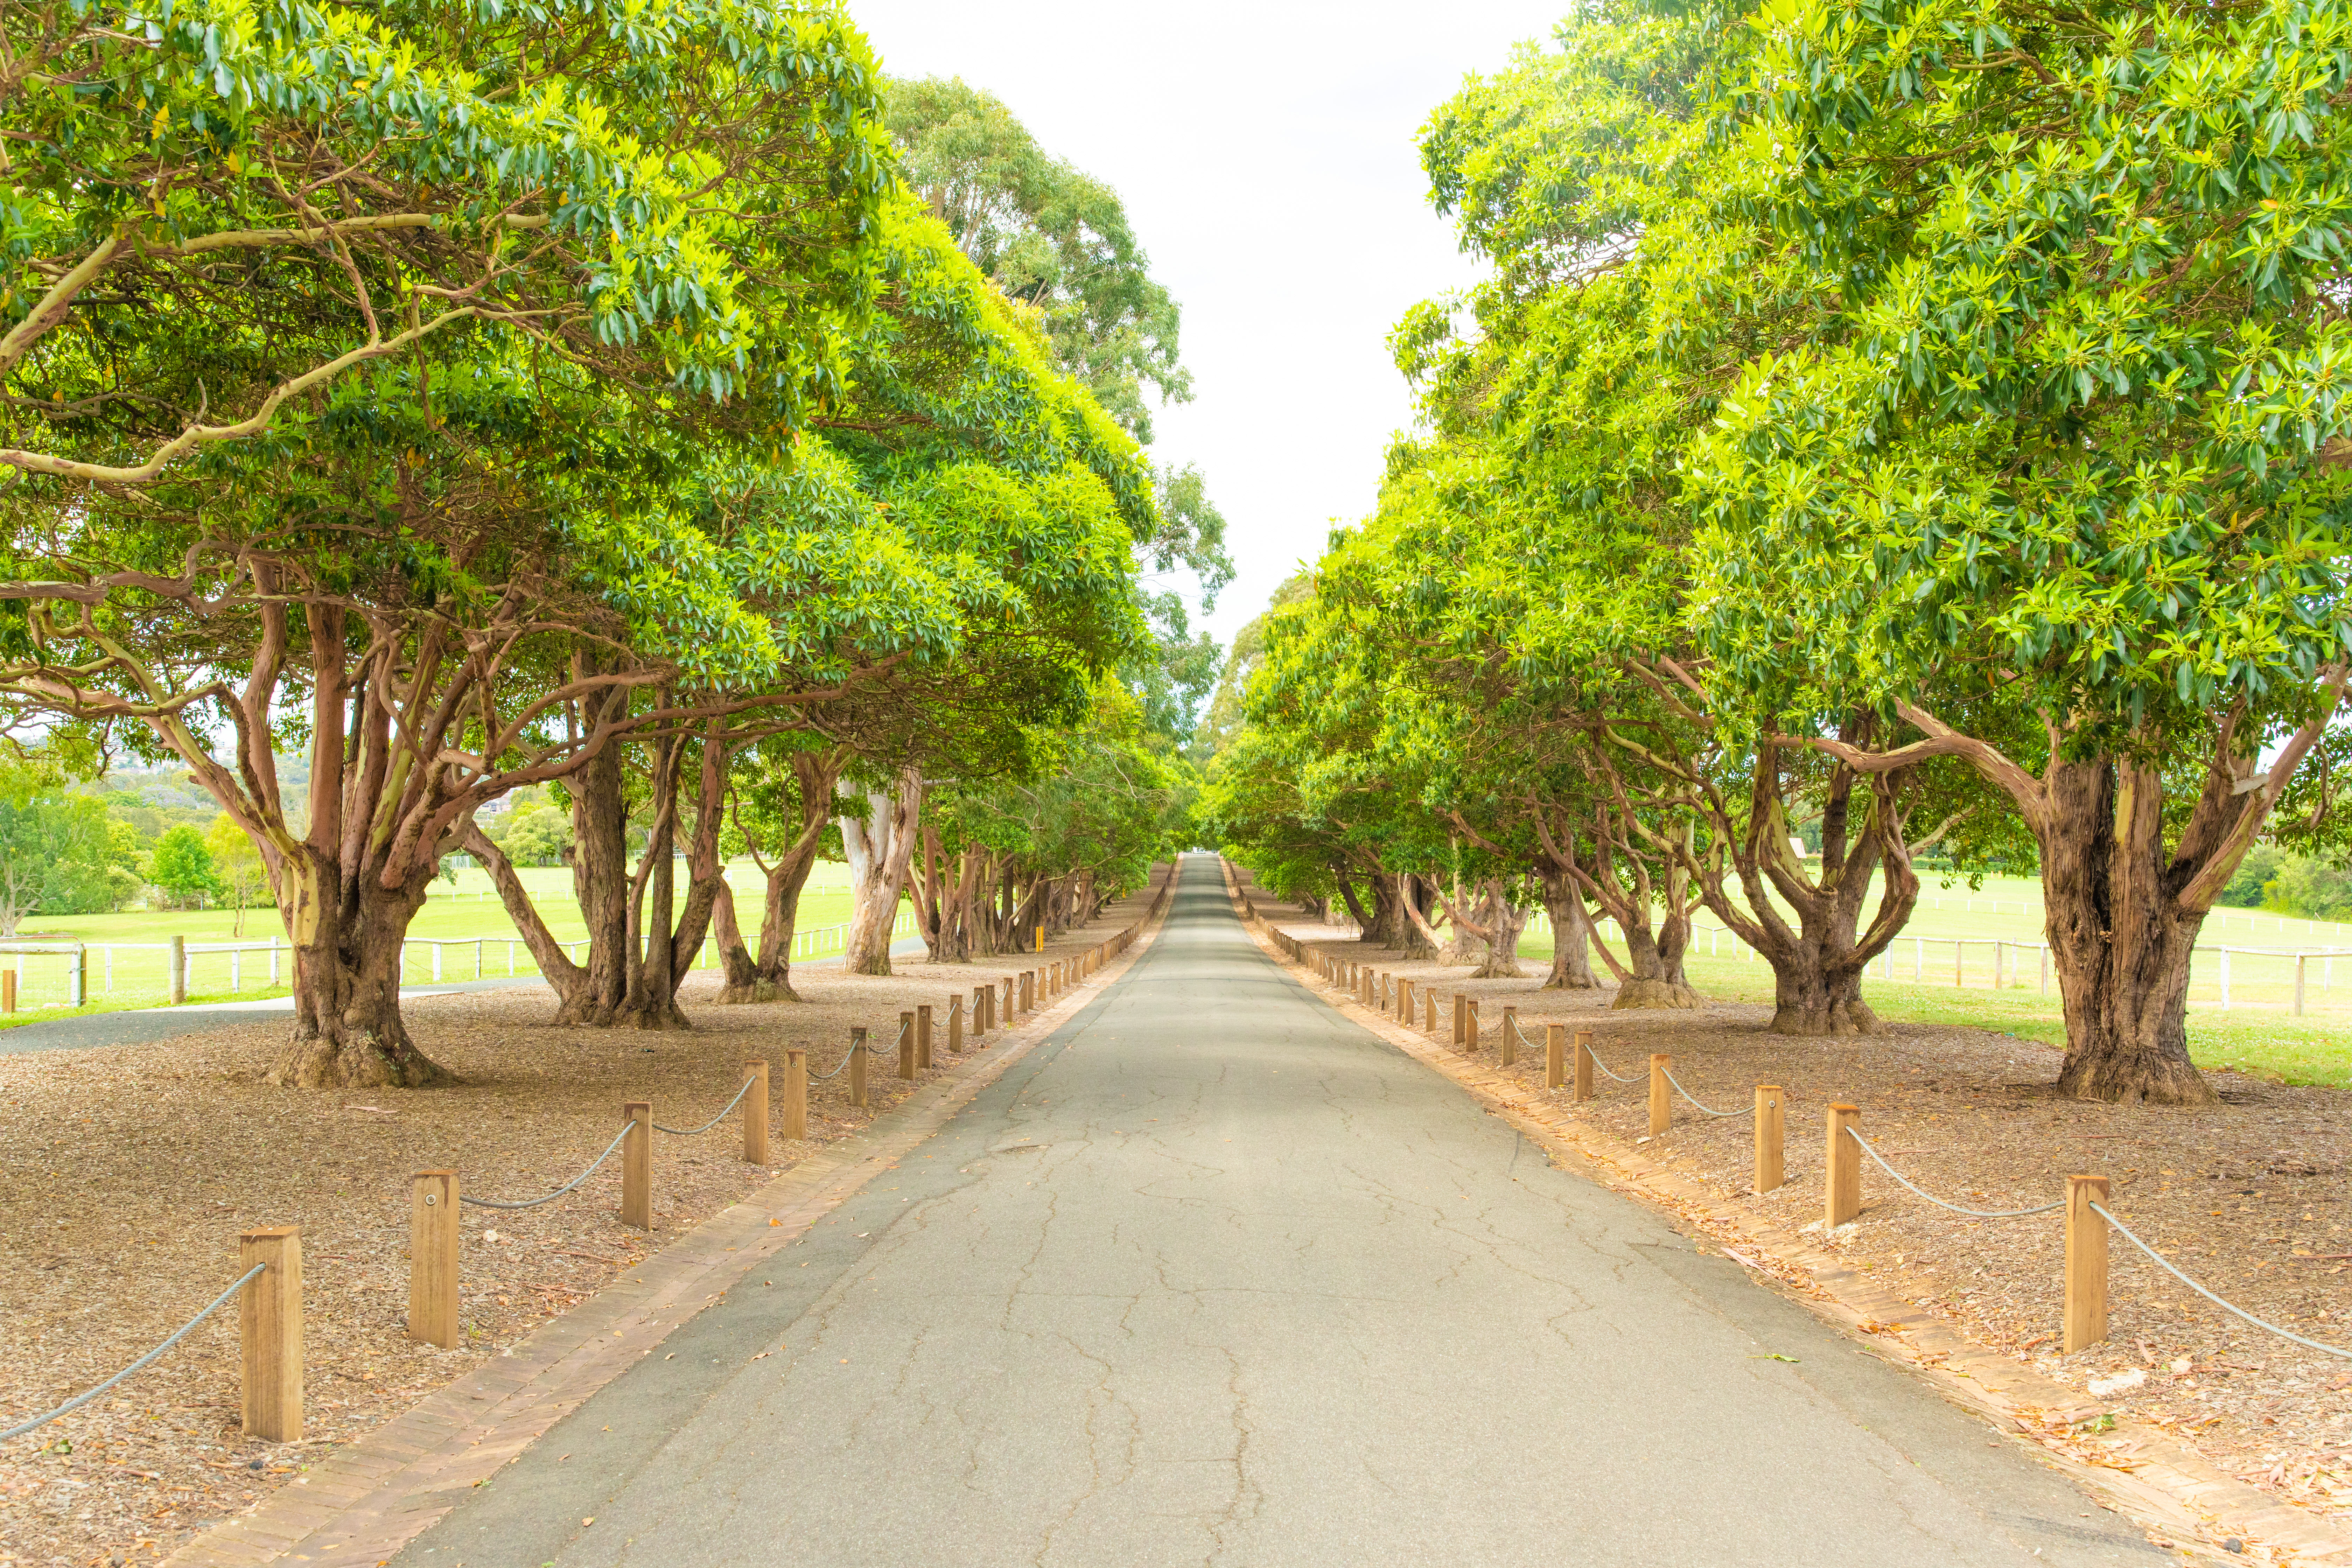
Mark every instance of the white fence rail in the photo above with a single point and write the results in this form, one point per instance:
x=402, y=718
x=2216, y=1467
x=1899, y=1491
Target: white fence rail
x=168, y=972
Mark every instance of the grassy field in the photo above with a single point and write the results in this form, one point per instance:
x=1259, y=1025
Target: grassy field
x=2255, y=1033
x=467, y=911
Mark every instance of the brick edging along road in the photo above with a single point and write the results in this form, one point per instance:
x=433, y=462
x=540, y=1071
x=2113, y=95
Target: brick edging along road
x=367, y=1501
x=2141, y=1471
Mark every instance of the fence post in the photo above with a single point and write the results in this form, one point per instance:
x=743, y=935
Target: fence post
x=1772, y=1124
x=980, y=995
x=923, y=1037
x=2046, y=969
x=1506, y=1044
x=795, y=1092
x=1662, y=1106
x=637, y=1165
x=1405, y=1000
x=1460, y=1019
x=1958, y=950
x=270, y=1320
x=2086, y=1264
x=1010, y=1010
x=2299, y=961
x=2225, y=980
x=1843, y=1197
x=755, y=1114
x=179, y=963
x=955, y=1026
x=906, y=1045
x=857, y=1068
x=1555, y=1054
x=436, y=964
x=1583, y=1064
x=1429, y=1002
x=433, y=1258
x=8, y=989
x=80, y=991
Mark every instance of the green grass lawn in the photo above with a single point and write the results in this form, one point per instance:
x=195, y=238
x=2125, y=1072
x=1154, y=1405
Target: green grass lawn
x=2256, y=1036
x=468, y=909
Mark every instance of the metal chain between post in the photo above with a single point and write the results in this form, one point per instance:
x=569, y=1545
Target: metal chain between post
x=2166, y=1263
x=534, y=1203
x=78, y=1400
x=696, y=1131
x=1975, y=1214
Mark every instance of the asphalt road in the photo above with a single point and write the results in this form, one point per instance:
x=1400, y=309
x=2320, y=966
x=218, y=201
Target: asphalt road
x=1215, y=1277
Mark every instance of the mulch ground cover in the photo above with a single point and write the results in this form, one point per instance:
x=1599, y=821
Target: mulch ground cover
x=126, y=1174
x=2250, y=1198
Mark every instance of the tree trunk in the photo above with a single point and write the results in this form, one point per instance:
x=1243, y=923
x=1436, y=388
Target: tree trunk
x=1501, y=922
x=347, y=1032
x=1571, y=932
x=1355, y=906
x=769, y=977
x=592, y=993
x=2119, y=938
x=880, y=845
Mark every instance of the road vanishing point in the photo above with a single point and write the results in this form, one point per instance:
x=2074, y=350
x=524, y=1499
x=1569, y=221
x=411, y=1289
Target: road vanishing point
x=1214, y=1276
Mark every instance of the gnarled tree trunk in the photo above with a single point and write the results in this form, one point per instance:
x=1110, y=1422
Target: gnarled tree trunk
x=1572, y=930
x=769, y=976
x=347, y=1032
x=879, y=844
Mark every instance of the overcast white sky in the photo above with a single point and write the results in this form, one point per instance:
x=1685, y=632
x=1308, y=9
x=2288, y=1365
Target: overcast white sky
x=1266, y=155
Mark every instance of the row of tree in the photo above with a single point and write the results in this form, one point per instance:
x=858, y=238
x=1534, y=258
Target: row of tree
x=1920, y=425
x=462, y=397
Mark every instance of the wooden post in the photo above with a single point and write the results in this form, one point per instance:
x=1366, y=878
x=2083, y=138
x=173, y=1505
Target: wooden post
x=906, y=1045
x=2299, y=958
x=1025, y=1005
x=1555, y=1054
x=432, y=1259
x=1771, y=1125
x=1583, y=1066
x=1959, y=948
x=8, y=990
x=923, y=1037
x=980, y=995
x=2086, y=1264
x=795, y=1092
x=755, y=1111
x=1404, y=1000
x=1662, y=1104
x=179, y=962
x=1429, y=1001
x=637, y=1166
x=269, y=1320
x=1506, y=1044
x=1460, y=1019
x=955, y=1026
x=857, y=1054
x=1470, y=1027
x=1843, y=1195
x=1011, y=1012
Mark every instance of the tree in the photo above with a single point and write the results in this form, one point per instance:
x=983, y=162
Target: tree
x=236, y=864
x=2057, y=472
x=53, y=855
x=440, y=544
x=535, y=835
x=183, y=867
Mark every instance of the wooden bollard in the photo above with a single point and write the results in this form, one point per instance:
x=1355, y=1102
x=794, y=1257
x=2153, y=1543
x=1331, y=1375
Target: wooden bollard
x=1011, y=1012
x=1025, y=1002
x=1771, y=1124
x=795, y=1091
x=432, y=1259
x=1583, y=1066
x=1662, y=1104
x=1843, y=1193
x=980, y=999
x=1405, y=1000
x=1429, y=1001
x=923, y=1037
x=906, y=1045
x=857, y=1054
x=2086, y=1264
x=1470, y=1028
x=955, y=1026
x=1460, y=1019
x=1506, y=1044
x=270, y=1323
x=637, y=1165
x=7, y=990
x=755, y=1111
x=179, y=980
x=1555, y=1054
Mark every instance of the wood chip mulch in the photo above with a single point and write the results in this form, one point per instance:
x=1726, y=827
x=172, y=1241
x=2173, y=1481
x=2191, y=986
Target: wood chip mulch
x=126, y=1174
x=2250, y=1198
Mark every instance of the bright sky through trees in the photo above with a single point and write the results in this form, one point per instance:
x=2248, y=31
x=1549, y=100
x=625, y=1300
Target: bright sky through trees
x=1264, y=151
